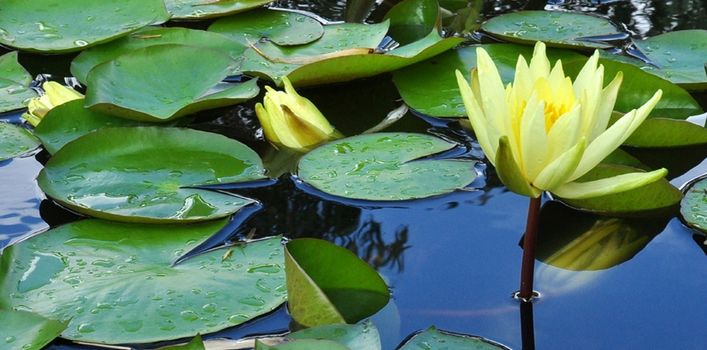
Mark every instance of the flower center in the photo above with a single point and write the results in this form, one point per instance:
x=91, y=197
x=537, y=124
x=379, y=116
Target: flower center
x=553, y=112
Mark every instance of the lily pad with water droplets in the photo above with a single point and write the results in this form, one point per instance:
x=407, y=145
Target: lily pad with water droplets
x=164, y=82
x=679, y=56
x=141, y=174
x=328, y=284
x=151, y=36
x=385, y=167
x=200, y=9
x=115, y=283
x=22, y=330
x=434, y=339
x=283, y=28
x=14, y=83
x=56, y=26
x=15, y=141
x=361, y=336
x=693, y=206
x=560, y=29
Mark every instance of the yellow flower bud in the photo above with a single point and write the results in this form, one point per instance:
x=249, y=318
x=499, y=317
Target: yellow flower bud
x=544, y=131
x=55, y=94
x=292, y=121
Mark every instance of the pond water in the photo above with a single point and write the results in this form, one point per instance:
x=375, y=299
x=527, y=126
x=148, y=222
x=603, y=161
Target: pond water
x=452, y=261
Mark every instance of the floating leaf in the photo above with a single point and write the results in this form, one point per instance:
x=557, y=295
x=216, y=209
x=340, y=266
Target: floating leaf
x=679, y=56
x=140, y=174
x=195, y=344
x=70, y=121
x=200, y=9
x=14, y=83
x=63, y=26
x=23, y=330
x=579, y=241
x=430, y=87
x=434, y=339
x=385, y=167
x=412, y=20
x=693, y=207
x=362, y=336
x=114, y=282
x=281, y=27
x=638, y=87
x=15, y=141
x=561, y=29
x=666, y=132
x=134, y=85
x=328, y=284
x=151, y=36
x=649, y=200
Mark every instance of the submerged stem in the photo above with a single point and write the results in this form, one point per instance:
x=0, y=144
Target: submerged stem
x=528, y=262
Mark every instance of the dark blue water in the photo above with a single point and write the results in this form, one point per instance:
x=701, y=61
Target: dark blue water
x=450, y=261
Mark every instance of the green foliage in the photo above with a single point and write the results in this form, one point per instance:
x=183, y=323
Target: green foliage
x=23, y=330
x=201, y=9
x=694, y=206
x=434, y=339
x=14, y=83
x=15, y=141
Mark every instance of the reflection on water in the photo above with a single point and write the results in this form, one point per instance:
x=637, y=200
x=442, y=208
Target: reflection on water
x=19, y=200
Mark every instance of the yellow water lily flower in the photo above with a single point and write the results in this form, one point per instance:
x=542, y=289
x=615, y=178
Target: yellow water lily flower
x=543, y=131
x=292, y=121
x=55, y=94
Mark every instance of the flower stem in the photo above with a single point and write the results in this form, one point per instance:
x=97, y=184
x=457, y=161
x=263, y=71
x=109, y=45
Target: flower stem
x=528, y=262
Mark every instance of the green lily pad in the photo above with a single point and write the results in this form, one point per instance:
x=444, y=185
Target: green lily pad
x=666, y=132
x=639, y=86
x=57, y=26
x=200, y=9
x=579, y=241
x=430, y=87
x=15, y=141
x=327, y=284
x=195, y=344
x=283, y=28
x=434, y=339
x=362, y=336
x=346, y=68
x=69, y=121
x=14, y=83
x=385, y=167
x=560, y=29
x=139, y=174
x=679, y=56
x=134, y=85
x=151, y=36
x=23, y=330
x=412, y=20
x=659, y=197
x=115, y=283
x=693, y=207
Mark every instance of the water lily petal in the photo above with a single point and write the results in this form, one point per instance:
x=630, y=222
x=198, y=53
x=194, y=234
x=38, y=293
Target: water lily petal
x=614, y=136
x=539, y=63
x=522, y=82
x=560, y=169
x=534, y=141
x=587, y=75
x=565, y=133
x=615, y=184
x=477, y=119
x=509, y=172
x=493, y=97
x=606, y=107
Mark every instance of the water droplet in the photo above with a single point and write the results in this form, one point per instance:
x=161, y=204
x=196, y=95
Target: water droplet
x=85, y=328
x=264, y=268
x=189, y=315
x=10, y=339
x=80, y=43
x=211, y=307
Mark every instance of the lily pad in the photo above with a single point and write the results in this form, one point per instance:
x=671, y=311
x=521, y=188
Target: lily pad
x=15, y=141
x=141, y=174
x=412, y=20
x=693, y=207
x=14, y=83
x=362, y=336
x=327, y=284
x=151, y=36
x=200, y=9
x=115, y=283
x=283, y=28
x=135, y=86
x=385, y=167
x=659, y=197
x=195, y=344
x=679, y=56
x=666, y=132
x=23, y=330
x=578, y=241
x=69, y=121
x=430, y=87
x=57, y=26
x=560, y=29
x=434, y=339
